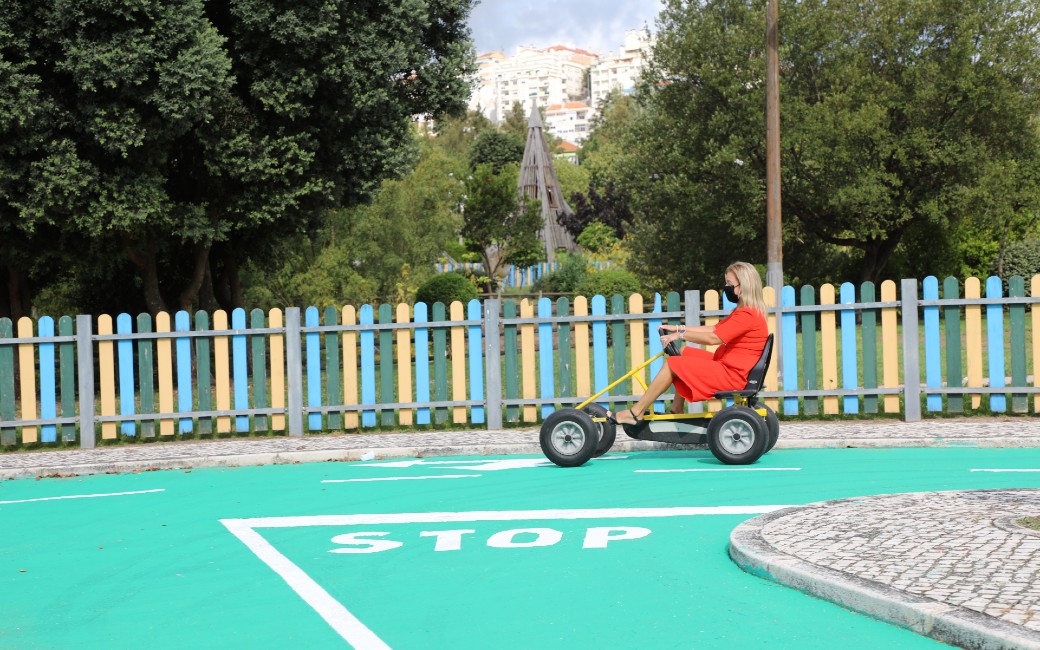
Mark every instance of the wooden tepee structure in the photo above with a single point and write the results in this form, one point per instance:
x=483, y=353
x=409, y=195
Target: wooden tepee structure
x=538, y=181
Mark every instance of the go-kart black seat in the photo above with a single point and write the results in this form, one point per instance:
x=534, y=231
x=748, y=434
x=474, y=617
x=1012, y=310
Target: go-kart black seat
x=755, y=377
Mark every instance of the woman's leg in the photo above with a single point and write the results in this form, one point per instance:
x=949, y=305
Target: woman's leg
x=656, y=388
x=678, y=404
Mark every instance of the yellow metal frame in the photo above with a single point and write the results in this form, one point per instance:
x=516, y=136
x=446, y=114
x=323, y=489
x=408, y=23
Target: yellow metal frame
x=738, y=400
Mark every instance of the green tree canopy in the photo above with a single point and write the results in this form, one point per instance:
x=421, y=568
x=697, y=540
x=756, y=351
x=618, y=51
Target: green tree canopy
x=894, y=116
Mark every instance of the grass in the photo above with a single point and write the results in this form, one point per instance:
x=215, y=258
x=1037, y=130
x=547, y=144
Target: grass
x=1030, y=522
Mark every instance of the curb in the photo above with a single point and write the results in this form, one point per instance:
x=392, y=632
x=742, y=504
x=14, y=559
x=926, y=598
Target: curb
x=946, y=623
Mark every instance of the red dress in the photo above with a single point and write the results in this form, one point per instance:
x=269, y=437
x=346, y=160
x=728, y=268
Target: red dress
x=699, y=374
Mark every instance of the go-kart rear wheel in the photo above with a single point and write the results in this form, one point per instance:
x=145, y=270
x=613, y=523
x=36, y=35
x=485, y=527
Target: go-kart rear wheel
x=568, y=437
x=737, y=435
x=607, y=429
x=772, y=423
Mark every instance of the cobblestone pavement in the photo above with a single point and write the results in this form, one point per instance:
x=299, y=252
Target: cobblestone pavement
x=952, y=565
x=961, y=432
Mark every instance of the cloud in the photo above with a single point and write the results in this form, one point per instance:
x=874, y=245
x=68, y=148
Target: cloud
x=597, y=25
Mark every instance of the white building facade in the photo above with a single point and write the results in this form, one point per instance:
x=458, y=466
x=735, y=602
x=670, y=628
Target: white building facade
x=569, y=121
x=554, y=75
x=620, y=71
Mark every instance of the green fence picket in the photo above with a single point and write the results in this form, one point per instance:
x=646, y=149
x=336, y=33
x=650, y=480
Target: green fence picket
x=869, y=337
x=952, y=322
x=512, y=365
x=8, y=435
x=67, y=368
x=386, y=367
x=565, y=362
x=440, y=363
x=203, y=372
x=146, y=373
x=617, y=335
x=1017, y=312
x=333, y=390
x=811, y=405
x=258, y=351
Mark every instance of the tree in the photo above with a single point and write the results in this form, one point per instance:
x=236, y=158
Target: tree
x=611, y=208
x=501, y=224
x=892, y=114
x=495, y=148
x=196, y=137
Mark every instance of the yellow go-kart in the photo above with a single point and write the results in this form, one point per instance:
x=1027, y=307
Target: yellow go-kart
x=737, y=434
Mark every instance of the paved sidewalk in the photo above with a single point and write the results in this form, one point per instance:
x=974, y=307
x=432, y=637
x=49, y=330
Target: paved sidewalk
x=962, y=432
x=951, y=565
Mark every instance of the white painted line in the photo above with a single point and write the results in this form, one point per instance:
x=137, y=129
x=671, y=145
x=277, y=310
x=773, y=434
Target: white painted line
x=399, y=478
x=83, y=496
x=346, y=624
x=1006, y=470
x=719, y=469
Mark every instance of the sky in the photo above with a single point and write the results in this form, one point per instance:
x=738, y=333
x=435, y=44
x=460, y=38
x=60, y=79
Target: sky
x=595, y=25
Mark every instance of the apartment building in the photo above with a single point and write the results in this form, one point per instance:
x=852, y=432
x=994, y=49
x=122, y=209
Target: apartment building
x=553, y=75
x=569, y=121
x=620, y=71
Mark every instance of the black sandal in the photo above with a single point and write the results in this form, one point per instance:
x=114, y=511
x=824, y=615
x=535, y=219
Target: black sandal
x=613, y=420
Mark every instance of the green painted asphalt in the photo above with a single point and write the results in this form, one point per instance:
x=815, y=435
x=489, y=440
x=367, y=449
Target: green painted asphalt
x=537, y=556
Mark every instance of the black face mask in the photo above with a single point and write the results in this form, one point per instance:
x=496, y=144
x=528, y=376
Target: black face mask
x=731, y=293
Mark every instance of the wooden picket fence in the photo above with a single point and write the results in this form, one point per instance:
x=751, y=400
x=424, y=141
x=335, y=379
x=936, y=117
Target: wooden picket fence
x=842, y=351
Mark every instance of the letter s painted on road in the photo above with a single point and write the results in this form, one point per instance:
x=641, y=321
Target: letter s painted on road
x=361, y=545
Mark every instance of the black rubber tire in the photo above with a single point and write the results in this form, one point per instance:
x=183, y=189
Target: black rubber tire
x=607, y=430
x=772, y=423
x=737, y=435
x=568, y=437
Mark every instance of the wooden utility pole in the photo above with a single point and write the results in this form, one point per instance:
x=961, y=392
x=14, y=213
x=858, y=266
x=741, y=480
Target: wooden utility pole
x=774, y=239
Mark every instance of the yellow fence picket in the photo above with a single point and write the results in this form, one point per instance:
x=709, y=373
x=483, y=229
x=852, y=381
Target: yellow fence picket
x=459, y=352
x=107, y=377
x=973, y=338
x=276, y=319
x=829, y=349
x=404, y=365
x=350, y=368
x=711, y=303
x=771, y=383
x=583, y=369
x=890, y=345
x=527, y=361
x=27, y=378
x=164, y=360
x=222, y=370
x=636, y=329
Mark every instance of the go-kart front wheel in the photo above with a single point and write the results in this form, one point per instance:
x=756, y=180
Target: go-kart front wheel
x=737, y=435
x=568, y=437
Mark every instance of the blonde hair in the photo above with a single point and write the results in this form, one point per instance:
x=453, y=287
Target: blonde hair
x=751, y=294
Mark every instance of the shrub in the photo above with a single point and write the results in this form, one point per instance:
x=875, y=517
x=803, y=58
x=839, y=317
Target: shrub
x=446, y=288
x=1022, y=258
x=608, y=282
x=574, y=268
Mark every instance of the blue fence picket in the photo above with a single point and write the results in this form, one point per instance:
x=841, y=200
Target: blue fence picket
x=475, y=312
x=185, y=403
x=654, y=342
x=849, y=361
x=546, y=365
x=125, y=352
x=932, y=348
x=240, y=367
x=48, y=383
x=313, y=343
x=366, y=316
x=789, y=344
x=600, y=371
x=422, y=362
x=995, y=344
